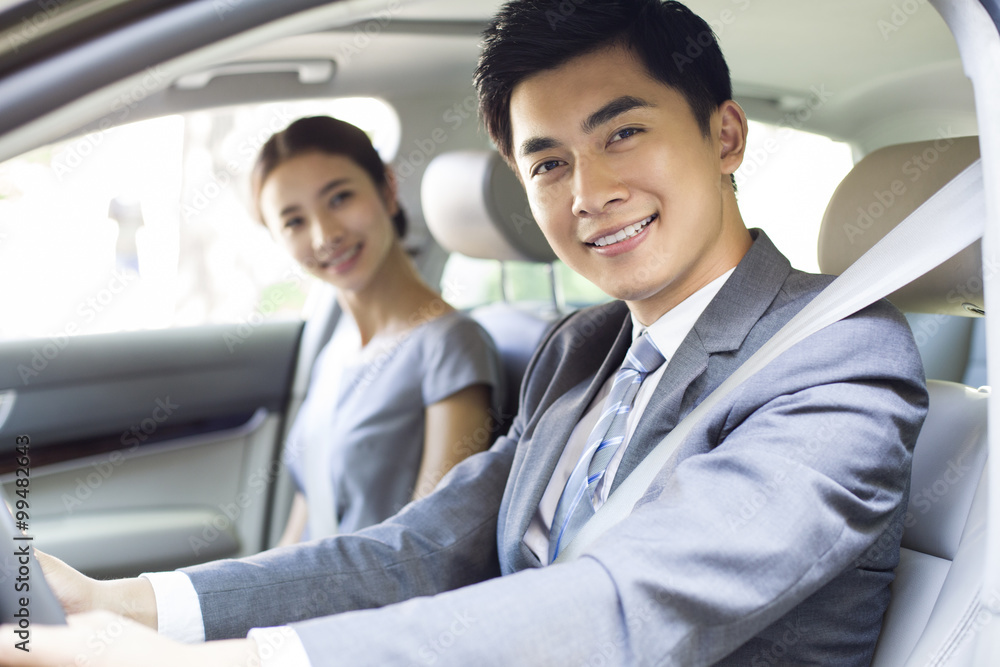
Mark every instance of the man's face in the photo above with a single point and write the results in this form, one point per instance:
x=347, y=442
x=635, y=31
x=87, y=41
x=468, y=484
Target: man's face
x=624, y=185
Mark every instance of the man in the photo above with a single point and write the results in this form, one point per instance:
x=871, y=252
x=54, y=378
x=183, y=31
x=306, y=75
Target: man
x=758, y=543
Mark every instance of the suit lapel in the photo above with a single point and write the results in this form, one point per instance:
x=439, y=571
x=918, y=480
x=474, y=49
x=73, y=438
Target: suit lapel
x=539, y=455
x=723, y=326
x=691, y=373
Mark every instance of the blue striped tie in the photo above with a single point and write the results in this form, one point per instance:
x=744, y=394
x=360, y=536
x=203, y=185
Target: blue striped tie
x=571, y=513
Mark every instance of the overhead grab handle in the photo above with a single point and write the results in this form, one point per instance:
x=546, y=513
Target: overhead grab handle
x=308, y=71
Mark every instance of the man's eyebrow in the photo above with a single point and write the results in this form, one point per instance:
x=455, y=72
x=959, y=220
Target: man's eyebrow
x=537, y=145
x=609, y=111
x=615, y=107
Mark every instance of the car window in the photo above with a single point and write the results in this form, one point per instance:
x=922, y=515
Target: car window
x=148, y=225
x=786, y=179
x=468, y=283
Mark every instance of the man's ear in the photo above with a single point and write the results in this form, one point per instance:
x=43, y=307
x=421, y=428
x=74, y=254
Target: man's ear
x=732, y=136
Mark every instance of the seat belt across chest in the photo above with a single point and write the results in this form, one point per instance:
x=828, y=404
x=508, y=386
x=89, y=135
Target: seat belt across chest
x=944, y=225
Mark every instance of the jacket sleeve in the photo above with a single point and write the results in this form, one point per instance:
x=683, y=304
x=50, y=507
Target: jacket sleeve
x=438, y=543
x=800, y=473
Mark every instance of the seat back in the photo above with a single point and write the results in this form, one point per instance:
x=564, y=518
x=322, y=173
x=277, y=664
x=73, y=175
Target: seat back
x=474, y=205
x=936, y=580
x=937, y=586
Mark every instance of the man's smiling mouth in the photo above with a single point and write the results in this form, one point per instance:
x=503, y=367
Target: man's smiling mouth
x=626, y=233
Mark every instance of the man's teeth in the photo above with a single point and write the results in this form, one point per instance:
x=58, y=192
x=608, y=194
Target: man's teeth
x=628, y=232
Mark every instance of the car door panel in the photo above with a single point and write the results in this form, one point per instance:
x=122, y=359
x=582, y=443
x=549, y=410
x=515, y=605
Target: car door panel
x=149, y=450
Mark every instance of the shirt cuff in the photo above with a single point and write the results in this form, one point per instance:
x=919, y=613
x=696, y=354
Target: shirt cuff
x=178, y=610
x=279, y=647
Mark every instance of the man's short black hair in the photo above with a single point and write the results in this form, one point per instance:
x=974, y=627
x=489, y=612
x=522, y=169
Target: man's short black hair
x=677, y=47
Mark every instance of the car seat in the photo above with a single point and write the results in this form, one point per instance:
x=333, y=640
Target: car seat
x=936, y=596
x=474, y=205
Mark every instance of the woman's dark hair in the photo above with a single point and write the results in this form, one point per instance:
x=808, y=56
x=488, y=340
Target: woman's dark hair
x=326, y=135
x=677, y=48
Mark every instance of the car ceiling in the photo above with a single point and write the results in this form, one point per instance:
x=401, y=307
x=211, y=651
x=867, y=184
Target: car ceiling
x=871, y=72
x=872, y=67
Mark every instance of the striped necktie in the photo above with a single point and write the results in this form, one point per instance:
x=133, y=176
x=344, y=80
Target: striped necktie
x=572, y=512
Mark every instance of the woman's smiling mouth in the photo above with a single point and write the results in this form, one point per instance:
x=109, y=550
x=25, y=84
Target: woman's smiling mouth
x=339, y=262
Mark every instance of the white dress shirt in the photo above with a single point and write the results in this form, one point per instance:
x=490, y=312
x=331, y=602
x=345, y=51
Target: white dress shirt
x=177, y=605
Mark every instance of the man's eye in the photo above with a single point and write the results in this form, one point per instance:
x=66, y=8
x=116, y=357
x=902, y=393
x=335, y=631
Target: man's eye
x=624, y=134
x=546, y=166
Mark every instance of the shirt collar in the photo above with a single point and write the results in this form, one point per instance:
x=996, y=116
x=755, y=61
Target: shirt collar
x=669, y=331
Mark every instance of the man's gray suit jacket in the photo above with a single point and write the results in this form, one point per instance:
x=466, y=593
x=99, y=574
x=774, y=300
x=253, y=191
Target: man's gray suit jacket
x=769, y=538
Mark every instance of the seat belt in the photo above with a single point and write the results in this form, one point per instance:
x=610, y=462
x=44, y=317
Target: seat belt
x=948, y=222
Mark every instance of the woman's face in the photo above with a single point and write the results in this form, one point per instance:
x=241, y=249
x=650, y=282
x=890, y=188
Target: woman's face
x=331, y=216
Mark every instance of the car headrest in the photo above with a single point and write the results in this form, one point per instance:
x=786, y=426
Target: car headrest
x=884, y=188
x=474, y=205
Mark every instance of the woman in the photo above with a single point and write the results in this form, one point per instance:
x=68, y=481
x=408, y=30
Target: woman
x=403, y=388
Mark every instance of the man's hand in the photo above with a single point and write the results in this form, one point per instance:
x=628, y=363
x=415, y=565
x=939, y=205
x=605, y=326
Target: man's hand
x=78, y=593
x=103, y=639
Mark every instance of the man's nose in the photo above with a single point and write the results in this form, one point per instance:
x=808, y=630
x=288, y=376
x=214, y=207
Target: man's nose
x=595, y=186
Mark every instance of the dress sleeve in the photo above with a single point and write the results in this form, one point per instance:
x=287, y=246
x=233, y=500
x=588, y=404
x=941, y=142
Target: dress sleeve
x=459, y=355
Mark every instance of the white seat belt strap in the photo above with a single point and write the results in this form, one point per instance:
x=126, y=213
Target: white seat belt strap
x=948, y=222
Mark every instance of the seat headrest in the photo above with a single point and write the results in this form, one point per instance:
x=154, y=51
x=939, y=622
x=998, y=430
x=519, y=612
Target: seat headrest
x=878, y=194
x=474, y=205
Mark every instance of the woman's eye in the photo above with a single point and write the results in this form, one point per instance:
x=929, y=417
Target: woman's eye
x=339, y=198
x=291, y=223
x=624, y=134
x=546, y=166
